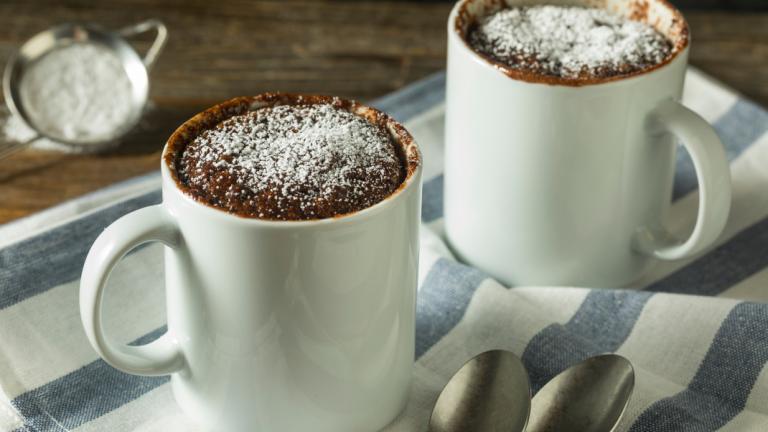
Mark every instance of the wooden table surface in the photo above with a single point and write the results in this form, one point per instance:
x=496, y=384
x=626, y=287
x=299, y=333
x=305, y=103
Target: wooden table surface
x=217, y=50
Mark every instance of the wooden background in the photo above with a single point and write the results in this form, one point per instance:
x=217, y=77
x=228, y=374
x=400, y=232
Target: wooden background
x=359, y=49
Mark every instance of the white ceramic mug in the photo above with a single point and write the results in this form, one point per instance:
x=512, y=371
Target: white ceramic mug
x=274, y=325
x=555, y=182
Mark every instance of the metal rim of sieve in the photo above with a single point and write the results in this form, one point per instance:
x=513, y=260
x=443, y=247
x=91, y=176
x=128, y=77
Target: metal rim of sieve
x=136, y=69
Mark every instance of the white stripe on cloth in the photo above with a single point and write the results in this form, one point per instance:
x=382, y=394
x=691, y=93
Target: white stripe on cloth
x=753, y=288
x=667, y=351
x=649, y=388
x=42, y=336
x=76, y=208
x=9, y=419
x=432, y=248
x=428, y=131
x=755, y=414
x=706, y=96
x=159, y=413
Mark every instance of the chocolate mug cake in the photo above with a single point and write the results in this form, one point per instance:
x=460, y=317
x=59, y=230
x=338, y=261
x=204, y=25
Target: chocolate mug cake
x=312, y=159
x=570, y=42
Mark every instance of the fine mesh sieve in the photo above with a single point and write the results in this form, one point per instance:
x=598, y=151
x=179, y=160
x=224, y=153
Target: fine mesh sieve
x=46, y=42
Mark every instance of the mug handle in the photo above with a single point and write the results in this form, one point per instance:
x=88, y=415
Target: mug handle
x=157, y=45
x=161, y=357
x=714, y=177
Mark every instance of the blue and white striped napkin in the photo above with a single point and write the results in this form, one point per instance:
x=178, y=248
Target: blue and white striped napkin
x=696, y=330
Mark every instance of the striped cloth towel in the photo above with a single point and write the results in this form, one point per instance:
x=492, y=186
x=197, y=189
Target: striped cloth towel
x=696, y=330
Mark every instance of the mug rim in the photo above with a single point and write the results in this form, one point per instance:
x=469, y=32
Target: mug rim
x=460, y=11
x=190, y=129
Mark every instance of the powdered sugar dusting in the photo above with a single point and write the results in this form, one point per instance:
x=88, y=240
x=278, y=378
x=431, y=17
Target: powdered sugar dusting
x=15, y=130
x=570, y=42
x=292, y=162
x=78, y=92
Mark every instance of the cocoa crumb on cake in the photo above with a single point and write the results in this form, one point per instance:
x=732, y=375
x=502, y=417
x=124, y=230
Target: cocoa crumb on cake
x=292, y=162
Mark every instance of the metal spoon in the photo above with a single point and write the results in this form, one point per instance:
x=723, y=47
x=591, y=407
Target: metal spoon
x=491, y=392
x=588, y=397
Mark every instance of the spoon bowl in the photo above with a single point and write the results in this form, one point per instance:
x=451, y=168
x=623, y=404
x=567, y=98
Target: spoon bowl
x=588, y=397
x=491, y=392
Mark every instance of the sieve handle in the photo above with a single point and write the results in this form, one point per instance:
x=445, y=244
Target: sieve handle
x=157, y=45
x=11, y=148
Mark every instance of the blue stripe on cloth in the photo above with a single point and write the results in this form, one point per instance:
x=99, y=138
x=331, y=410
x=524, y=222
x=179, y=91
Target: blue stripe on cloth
x=40, y=263
x=600, y=325
x=432, y=199
x=413, y=99
x=724, y=380
x=740, y=257
x=738, y=128
x=442, y=301
x=83, y=395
